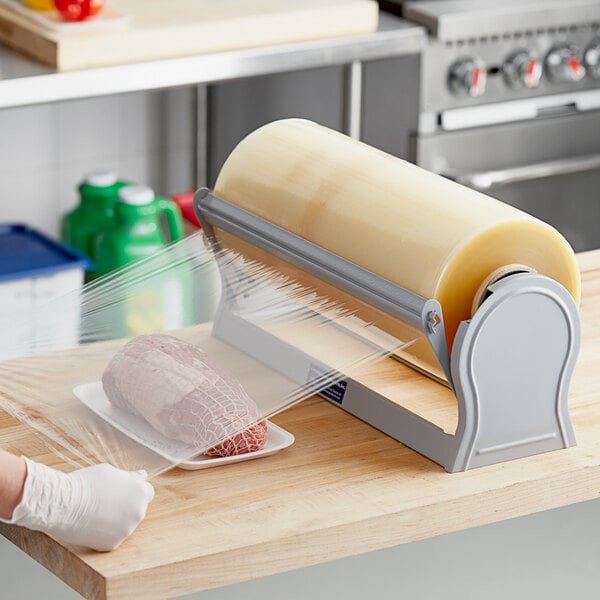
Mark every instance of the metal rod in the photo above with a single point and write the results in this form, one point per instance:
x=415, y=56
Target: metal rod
x=327, y=266
x=353, y=73
x=551, y=168
x=201, y=174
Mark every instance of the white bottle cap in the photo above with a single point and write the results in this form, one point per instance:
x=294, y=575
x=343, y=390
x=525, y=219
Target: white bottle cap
x=101, y=179
x=136, y=195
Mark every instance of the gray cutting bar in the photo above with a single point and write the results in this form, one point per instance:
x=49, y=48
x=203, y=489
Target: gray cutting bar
x=344, y=275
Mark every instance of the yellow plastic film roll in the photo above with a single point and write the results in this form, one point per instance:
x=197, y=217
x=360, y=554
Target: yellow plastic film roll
x=428, y=234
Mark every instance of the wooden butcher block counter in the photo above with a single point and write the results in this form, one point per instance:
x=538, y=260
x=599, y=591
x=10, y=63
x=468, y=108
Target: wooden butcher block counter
x=343, y=488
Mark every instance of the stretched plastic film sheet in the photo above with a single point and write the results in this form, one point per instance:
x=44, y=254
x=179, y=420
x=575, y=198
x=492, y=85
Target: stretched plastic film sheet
x=251, y=335
x=246, y=341
x=426, y=233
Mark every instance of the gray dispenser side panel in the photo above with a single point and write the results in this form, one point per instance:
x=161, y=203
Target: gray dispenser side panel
x=512, y=365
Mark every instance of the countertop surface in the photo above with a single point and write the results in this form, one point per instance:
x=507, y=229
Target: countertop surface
x=342, y=489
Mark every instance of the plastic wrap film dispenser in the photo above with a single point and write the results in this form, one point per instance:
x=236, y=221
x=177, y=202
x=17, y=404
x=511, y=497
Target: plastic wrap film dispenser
x=510, y=363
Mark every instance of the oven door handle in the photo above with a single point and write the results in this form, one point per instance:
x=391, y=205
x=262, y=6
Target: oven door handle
x=567, y=166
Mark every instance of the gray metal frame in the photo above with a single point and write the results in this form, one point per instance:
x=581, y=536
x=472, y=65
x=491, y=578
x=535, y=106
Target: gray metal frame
x=455, y=19
x=510, y=367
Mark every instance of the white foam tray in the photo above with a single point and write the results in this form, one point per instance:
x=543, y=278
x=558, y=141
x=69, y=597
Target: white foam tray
x=93, y=396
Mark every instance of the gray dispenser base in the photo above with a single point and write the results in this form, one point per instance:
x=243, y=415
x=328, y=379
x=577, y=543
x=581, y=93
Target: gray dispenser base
x=510, y=366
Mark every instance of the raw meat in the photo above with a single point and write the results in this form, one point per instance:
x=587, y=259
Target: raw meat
x=177, y=388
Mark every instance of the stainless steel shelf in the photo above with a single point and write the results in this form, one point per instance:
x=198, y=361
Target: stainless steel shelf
x=23, y=81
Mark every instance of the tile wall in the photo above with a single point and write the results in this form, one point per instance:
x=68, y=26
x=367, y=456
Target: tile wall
x=45, y=150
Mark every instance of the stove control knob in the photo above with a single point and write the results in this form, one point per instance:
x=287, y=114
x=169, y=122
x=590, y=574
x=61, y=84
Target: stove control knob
x=591, y=58
x=522, y=70
x=562, y=64
x=467, y=76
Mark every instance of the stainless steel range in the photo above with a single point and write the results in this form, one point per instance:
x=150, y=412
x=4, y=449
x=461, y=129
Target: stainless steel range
x=510, y=104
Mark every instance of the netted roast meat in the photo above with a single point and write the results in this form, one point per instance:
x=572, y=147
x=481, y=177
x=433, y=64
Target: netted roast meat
x=184, y=395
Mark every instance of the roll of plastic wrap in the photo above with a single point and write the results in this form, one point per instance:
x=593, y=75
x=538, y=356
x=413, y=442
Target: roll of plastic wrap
x=430, y=235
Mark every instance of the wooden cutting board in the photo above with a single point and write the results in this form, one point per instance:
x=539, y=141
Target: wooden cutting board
x=158, y=30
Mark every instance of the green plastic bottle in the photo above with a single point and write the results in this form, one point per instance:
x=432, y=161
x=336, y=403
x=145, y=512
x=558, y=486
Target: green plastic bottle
x=145, y=304
x=136, y=231
x=95, y=213
x=162, y=301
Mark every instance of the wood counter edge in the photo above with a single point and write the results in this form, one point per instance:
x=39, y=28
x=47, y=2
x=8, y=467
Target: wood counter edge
x=58, y=559
x=308, y=548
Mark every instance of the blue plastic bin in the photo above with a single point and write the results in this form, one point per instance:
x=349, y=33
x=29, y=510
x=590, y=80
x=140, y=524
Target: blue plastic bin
x=33, y=270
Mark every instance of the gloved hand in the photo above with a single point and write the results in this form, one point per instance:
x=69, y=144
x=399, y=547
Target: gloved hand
x=97, y=507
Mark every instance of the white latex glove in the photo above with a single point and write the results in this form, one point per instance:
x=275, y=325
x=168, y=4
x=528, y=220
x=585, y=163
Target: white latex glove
x=97, y=507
